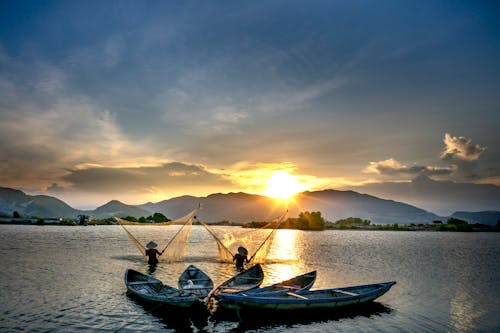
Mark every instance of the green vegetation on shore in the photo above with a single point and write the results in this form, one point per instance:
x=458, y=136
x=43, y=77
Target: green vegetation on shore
x=305, y=221
x=314, y=221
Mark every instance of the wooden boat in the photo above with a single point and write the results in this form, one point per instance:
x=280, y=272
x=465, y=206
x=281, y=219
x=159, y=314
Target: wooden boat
x=194, y=280
x=151, y=289
x=243, y=281
x=296, y=284
x=307, y=300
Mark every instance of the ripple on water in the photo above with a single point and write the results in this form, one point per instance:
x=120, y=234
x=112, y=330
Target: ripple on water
x=70, y=279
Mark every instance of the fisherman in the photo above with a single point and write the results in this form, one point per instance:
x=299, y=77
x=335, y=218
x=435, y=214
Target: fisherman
x=152, y=252
x=241, y=258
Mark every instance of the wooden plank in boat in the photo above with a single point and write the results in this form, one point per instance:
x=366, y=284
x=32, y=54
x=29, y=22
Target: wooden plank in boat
x=345, y=292
x=142, y=282
x=296, y=295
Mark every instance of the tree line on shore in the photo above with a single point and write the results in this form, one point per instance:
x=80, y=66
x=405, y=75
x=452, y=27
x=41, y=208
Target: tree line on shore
x=305, y=221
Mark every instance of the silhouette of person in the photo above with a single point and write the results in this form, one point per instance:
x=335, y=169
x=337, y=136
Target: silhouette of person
x=152, y=253
x=241, y=258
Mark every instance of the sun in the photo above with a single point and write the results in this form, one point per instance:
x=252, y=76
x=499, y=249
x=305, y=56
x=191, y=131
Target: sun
x=282, y=185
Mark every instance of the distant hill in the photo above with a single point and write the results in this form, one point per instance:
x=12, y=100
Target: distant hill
x=233, y=207
x=334, y=205
x=117, y=208
x=12, y=200
x=242, y=207
x=44, y=206
x=486, y=217
x=441, y=197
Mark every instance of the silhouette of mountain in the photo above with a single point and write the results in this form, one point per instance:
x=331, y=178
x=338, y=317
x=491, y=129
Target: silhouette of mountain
x=334, y=205
x=32, y=205
x=233, y=207
x=441, y=197
x=486, y=217
x=117, y=208
x=243, y=207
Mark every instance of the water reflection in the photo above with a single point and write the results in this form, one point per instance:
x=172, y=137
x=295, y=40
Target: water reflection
x=464, y=311
x=198, y=319
x=285, y=245
x=181, y=320
x=250, y=321
x=151, y=268
x=446, y=281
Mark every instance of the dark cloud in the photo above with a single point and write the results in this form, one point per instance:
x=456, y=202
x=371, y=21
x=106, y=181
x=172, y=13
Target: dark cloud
x=460, y=148
x=166, y=177
x=56, y=189
x=393, y=167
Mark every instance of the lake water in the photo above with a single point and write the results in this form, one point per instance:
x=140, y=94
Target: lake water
x=70, y=279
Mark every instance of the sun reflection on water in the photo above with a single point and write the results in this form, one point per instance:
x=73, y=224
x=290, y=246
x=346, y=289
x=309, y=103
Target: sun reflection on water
x=284, y=245
x=280, y=264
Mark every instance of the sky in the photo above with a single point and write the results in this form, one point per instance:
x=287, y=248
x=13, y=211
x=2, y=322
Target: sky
x=142, y=101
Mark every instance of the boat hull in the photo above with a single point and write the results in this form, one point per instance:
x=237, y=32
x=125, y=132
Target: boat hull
x=310, y=300
x=150, y=289
x=194, y=281
x=296, y=284
x=243, y=281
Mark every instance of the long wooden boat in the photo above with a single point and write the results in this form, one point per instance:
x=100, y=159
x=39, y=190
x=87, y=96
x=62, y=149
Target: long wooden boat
x=243, y=281
x=312, y=299
x=296, y=284
x=151, y=289
x=195, y=281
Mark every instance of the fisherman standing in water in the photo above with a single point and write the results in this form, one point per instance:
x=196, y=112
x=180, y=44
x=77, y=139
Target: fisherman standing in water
x=152, y=252
x=241, y=258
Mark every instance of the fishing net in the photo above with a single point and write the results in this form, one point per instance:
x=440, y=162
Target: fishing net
x=257, y=241
x=171, y=238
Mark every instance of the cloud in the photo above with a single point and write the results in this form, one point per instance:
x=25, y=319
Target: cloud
x=90, y=186
x=228, y=115
x=39, y=143
x=394, y=167
x=193, y=105
x=208, y=114
x=56, y=189
x=112, y=52
x=51, y=80
x=460, y=148
x=168, y=177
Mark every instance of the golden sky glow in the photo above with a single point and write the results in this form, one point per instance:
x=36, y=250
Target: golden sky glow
x=147, y=108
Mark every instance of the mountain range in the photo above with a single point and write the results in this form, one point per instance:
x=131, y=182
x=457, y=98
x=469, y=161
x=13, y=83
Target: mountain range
x=243, y=207
x=439, y=196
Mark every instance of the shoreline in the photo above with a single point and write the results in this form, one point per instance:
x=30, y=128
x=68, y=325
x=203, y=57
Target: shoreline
x=425, y=228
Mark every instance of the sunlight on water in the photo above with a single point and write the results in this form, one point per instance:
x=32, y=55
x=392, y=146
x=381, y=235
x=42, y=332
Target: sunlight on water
x=70, y=279
x=285, y=246
x=463, y=313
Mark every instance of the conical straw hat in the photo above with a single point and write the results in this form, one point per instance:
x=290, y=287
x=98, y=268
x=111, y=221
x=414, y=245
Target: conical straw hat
x=151, y=245
x=242, y=251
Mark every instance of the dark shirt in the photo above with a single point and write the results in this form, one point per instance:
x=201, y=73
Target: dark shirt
x=240, y=259
x=151, y=253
